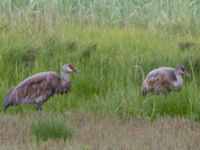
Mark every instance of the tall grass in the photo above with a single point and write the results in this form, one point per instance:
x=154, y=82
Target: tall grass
x=114, y=44
x=148, y=13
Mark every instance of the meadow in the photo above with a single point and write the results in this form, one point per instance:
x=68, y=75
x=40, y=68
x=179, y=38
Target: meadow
x=114, y=44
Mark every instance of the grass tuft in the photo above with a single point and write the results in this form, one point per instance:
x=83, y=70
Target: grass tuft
x=48, y=128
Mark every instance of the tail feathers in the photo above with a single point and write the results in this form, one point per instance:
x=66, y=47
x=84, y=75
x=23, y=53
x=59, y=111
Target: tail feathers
x=144, y=90
x=7, y=100
x=6, y=105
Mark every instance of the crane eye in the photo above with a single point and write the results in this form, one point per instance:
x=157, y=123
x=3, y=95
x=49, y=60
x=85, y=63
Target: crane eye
x=71, y=66
x=183, y=69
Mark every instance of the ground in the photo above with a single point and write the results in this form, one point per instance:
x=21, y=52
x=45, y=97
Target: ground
x=103, y=132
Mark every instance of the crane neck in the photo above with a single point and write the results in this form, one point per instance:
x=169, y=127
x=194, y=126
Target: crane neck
x=179, y=78
x=65, y=76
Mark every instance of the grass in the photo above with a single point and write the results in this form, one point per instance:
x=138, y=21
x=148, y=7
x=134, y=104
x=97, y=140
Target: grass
x=102, y=132
x=113, y=64
x=48, y=128
x=176, y=14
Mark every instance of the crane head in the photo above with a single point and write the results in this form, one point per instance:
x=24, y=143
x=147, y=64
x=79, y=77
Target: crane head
x=69, y=68
x=182, y=70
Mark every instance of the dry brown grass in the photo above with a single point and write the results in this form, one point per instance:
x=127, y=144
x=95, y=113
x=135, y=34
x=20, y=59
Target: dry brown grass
x=103, y=132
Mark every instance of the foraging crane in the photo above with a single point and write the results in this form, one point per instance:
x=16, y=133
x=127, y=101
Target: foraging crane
x=39, y=87
x=164, y=79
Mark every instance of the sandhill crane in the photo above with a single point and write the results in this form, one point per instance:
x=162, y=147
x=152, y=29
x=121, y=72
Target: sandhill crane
x=39, y=87
x=164, y=79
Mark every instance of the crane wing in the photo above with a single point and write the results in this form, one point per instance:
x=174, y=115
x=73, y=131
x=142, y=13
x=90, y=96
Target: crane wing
x=40, y=85
x=161, y=77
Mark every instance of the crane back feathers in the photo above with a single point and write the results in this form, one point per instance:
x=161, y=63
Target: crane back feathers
x=161, y=80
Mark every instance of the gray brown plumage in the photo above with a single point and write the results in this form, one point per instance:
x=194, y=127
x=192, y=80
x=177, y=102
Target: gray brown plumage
x=163, y=80
x=39, y=87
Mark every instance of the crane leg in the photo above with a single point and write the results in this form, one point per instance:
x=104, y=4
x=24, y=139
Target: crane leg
x=40, y=106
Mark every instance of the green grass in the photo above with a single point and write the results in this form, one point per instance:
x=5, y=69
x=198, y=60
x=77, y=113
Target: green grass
x=114, y=44
x=113, y=64
x=50, y=128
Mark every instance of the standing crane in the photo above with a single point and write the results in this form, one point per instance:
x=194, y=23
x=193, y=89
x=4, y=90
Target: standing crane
x=164, y=79
x=39, y=87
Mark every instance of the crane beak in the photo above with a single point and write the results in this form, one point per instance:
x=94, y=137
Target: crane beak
x=187, y=74
x=76, y=70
